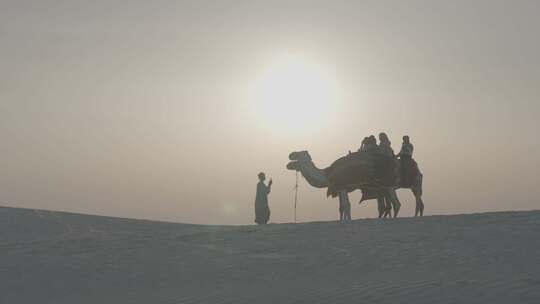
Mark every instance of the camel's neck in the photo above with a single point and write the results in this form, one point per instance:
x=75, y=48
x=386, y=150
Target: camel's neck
x=314, y=176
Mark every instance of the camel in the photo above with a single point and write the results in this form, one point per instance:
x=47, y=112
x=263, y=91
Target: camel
x=351, y=172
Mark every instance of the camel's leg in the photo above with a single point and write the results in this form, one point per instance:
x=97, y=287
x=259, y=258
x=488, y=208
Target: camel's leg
x=345, y=205
x=419, y=204
x=387, y=207
x=341, y=214
x=417, y=191
x=342, y=210
x=348, y=211
x=392, y=197
x=397, y=205
x=381, y=206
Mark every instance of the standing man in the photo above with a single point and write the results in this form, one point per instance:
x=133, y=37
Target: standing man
x=262, y=211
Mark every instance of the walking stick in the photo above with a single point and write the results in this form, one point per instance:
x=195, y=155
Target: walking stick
x=295, y=196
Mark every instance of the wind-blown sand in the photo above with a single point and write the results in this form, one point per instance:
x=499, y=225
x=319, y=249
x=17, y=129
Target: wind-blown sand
x=53, y=257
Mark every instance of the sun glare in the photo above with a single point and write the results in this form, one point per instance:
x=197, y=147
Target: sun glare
x=294, y=95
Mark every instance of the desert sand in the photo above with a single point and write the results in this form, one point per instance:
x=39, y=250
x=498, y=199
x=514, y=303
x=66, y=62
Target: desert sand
x=55, y=257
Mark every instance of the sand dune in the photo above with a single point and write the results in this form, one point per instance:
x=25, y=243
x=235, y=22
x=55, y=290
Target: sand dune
x=53, y=257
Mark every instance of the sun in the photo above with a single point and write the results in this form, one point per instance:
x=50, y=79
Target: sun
x=294, y=95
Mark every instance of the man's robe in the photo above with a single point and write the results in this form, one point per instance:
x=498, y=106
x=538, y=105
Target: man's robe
x=262, y=211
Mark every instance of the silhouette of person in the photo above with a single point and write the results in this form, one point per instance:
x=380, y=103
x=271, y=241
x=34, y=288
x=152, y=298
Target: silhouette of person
x=262, y=211
x=364, y=143
x=370, y=144
x=409, y=168
x=406, y=149
x=385, y=146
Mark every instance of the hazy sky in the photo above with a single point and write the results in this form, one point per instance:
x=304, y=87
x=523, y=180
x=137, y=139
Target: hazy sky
x=152, y=109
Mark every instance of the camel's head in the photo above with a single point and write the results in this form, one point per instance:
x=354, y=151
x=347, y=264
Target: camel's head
x=301, y=162
x=297, y=159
